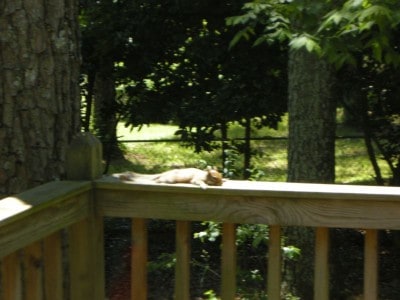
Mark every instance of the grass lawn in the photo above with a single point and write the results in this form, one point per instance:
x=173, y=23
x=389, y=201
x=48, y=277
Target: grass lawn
x=269, y=160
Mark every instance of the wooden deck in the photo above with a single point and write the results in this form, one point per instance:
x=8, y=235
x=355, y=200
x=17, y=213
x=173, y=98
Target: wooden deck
x=36, y=225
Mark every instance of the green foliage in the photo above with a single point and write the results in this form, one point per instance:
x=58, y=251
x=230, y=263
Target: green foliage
x=337, y=31
x=378, y=107
x=306, y=41
x=231, y=167
x=210, y=295
x=210, y=233
x=252, y=245
x=202, y=85
x=256, y=234
x=190, y=76
x=366, y=27
x=269, y=15
x=291, y=252
x=355, y=36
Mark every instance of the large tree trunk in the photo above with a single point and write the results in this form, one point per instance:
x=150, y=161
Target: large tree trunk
x=312, y=113
x=312, y=117
x=39, y=90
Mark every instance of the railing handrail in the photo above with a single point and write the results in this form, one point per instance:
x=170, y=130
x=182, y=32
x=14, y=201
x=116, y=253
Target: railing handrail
x=255, y=188
x=36, y=213
x=373, y=199
x=280, y=203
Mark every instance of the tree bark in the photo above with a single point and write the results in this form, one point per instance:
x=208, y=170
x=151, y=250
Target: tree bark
x=312, y=118
x=39, y=90
x=247, y=149
x=311, y=149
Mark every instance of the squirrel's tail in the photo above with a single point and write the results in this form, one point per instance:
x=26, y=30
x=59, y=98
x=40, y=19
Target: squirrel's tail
x=132, y=176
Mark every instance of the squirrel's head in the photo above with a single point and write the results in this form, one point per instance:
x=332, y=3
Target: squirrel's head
x=213, y=177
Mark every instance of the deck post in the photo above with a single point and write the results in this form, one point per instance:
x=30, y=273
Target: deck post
x=371, y=265
x=53, y=271
x=33, y=258
x=321, y=269
x=11, y=284
x=84, y=156
x=139, y=288
x=228, y=261
x=182, y=268
x=274, y=263
x=86, y=238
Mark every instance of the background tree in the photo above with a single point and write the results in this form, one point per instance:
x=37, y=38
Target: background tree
x=375, y=103
x=321, y=35
x=39, y=90
x=121, y=42
x=335, y=32
x=203, y=85
x=104, y=38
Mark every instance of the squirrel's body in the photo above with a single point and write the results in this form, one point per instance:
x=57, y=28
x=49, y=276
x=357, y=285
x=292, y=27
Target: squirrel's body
x=187, y=175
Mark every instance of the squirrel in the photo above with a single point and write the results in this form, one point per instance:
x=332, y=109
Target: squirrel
x=202, y=178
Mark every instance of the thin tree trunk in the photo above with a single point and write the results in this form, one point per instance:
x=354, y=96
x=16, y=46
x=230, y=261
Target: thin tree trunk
x=89, y=100
x=247, y=149
x=39, y=90
x=105, y=110
x=224, y=137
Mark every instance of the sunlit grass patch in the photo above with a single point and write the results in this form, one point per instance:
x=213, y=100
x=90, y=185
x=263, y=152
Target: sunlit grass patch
x=147, y=132
x=353, y=165
x=269, y=160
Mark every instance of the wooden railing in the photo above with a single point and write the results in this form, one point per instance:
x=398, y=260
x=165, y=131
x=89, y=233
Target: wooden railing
x=32, y=230
x=55, y=231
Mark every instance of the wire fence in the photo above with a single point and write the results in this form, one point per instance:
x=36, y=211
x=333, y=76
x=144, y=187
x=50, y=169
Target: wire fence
x=265, y=138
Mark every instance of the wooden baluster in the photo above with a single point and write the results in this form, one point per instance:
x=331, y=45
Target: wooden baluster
x=86, y=251
x=11, y=281
x=53, y=270
x=86, y=238
x=228, y=261
x=274, y=263
x=139, y=259
x=182, y=268
x=321, y=271
x=371, y=265
x=33, y=264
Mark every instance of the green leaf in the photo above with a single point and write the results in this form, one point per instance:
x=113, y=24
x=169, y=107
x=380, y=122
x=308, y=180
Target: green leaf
x=291, y=252
x=373, y=12
x=366, y=26
x=334, y=17
x=245, y=33
x=306, y=41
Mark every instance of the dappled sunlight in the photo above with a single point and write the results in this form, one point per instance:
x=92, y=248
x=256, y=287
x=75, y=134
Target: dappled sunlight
x=12, y=205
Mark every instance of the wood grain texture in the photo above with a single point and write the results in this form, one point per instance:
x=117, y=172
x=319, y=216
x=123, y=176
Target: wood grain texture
x=41, y=212
x=33, y=266
x=286, y=204
x=182, y=267
x=86, y=255
x=53, y=270
x=321, y=268
x=228, y=261
x=274, y=263
x=11, y=282
x=49, y=194
x=371, y=269
x=139, y=289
